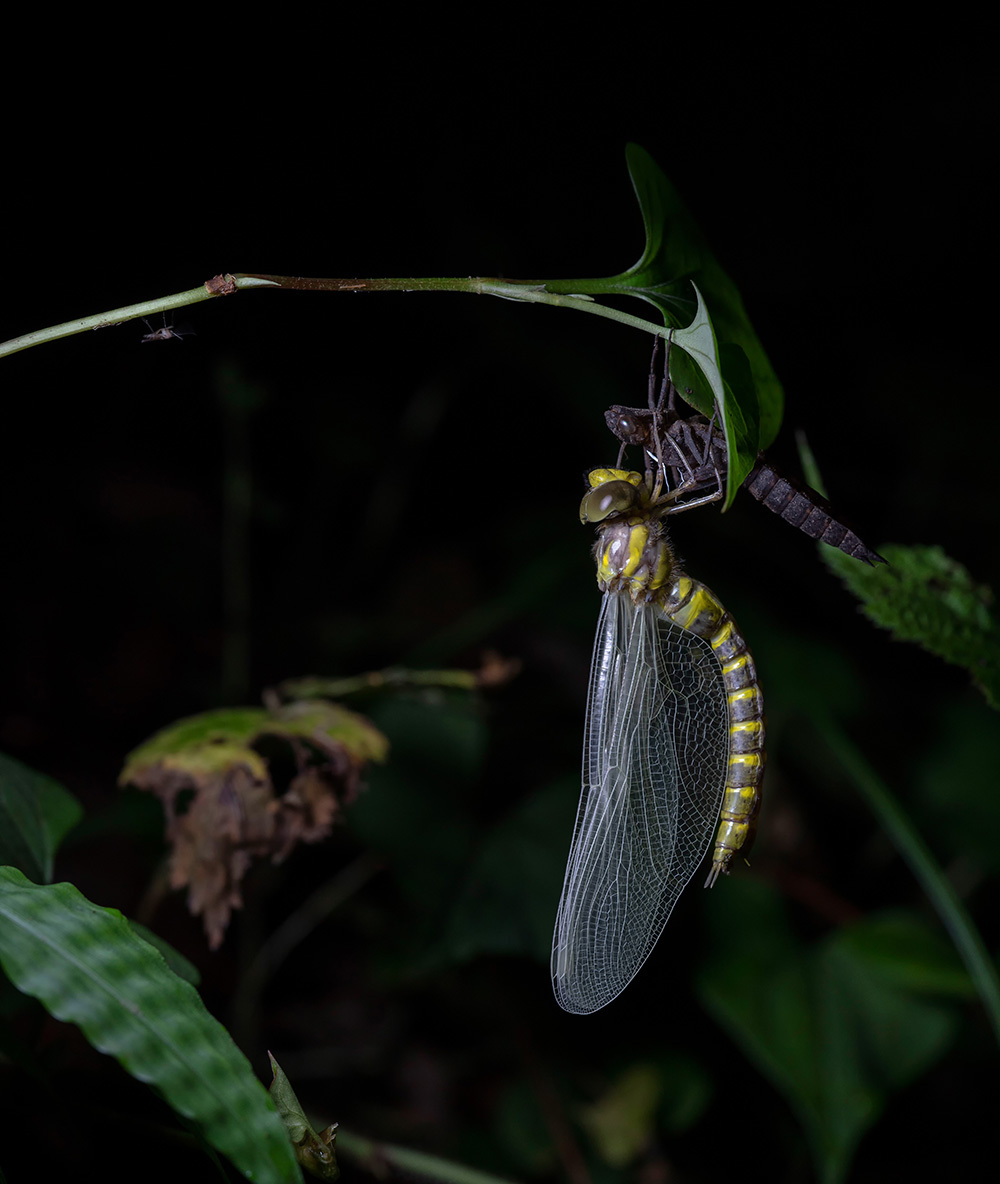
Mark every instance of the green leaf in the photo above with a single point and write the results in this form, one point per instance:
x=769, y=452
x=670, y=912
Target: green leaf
x=742, y=416
x=211, y=743
x=623, y=1120
x=909, y=843
x=175, y=960
x=497, y=913
x=698, y=375
x=698, y=341
x=904, y=953
x=417, y=808
x=87, y=967
x=957, y=759
x=315, y=1152
x=923, y=596
x=35, y=814
x=676, y=251
x=836, y=1028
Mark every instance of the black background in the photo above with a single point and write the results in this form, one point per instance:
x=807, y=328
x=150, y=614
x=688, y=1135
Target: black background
x=414, y=456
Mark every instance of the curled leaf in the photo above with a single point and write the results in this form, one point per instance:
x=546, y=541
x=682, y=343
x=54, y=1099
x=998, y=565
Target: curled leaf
x=223, y=808
x=316, y=1152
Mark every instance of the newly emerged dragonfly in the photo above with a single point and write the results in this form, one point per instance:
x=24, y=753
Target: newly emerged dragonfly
x=673, y=746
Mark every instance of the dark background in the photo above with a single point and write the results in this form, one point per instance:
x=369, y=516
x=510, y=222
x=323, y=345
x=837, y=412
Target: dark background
x=416, y=460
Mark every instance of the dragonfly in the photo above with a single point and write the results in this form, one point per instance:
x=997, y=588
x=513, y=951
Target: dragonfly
x=673, y=753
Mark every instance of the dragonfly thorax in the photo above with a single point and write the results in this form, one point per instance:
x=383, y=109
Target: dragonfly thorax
x=634, y=557
x=632, y=551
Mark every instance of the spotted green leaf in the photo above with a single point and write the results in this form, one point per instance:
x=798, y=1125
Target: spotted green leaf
x=87, y=967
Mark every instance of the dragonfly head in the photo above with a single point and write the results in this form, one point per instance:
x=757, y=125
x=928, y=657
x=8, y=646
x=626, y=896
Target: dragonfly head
x=612, y=492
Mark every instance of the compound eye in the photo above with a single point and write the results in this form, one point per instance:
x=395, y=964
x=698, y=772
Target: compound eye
x=611, y=497
x=630, y=429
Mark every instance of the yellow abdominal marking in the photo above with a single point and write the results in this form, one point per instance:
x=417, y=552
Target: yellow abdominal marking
x=734, y=664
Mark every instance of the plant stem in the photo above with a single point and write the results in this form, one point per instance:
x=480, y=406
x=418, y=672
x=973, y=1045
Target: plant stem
x=558, y=293
x=418, y=1162
x=295, y=929
x=908, y=842
x=338, y=688
x=218, y=286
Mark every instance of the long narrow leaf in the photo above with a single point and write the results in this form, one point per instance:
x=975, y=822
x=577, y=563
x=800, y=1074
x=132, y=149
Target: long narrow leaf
x=910, y=844
x=89, y=968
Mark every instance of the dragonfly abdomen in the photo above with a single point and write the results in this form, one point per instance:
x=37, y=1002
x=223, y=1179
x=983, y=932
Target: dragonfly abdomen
x=694, y=607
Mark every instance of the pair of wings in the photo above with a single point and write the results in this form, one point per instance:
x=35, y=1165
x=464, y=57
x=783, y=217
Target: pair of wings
x=656, y=744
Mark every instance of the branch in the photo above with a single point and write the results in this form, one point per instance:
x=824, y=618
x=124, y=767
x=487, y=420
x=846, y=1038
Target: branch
x=559, y=293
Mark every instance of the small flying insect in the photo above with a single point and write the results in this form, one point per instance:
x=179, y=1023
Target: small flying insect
x=166, y=332
x=673, y=748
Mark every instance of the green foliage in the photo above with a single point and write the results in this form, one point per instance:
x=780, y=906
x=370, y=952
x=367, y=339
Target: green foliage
x=959, y=761
x=676, y=251
x=211, y=743
x=622, y=1121
x=418, y=809
x=496, y=913
x=88, y=967
x=836, y=1027
x=719, y=367
x=315, y=1151
x=35, y=814
x=924, y=596
x=670, y=1093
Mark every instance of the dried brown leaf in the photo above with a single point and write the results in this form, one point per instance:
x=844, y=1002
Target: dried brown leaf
x=222, y=808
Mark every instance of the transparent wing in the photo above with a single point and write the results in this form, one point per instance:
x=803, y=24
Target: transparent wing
x=655, y=754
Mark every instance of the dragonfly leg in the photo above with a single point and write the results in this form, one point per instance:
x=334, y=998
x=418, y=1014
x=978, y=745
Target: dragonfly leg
x=661, y=469
x=652, y=375
x=679, y=508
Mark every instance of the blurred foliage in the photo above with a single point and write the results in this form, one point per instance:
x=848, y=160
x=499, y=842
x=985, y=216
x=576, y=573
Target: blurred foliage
x=35, y=814
x=837, y=1026
x=924, y=596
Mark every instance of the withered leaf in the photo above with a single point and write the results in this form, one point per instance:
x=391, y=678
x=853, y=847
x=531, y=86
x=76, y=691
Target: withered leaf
x=223, y=809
